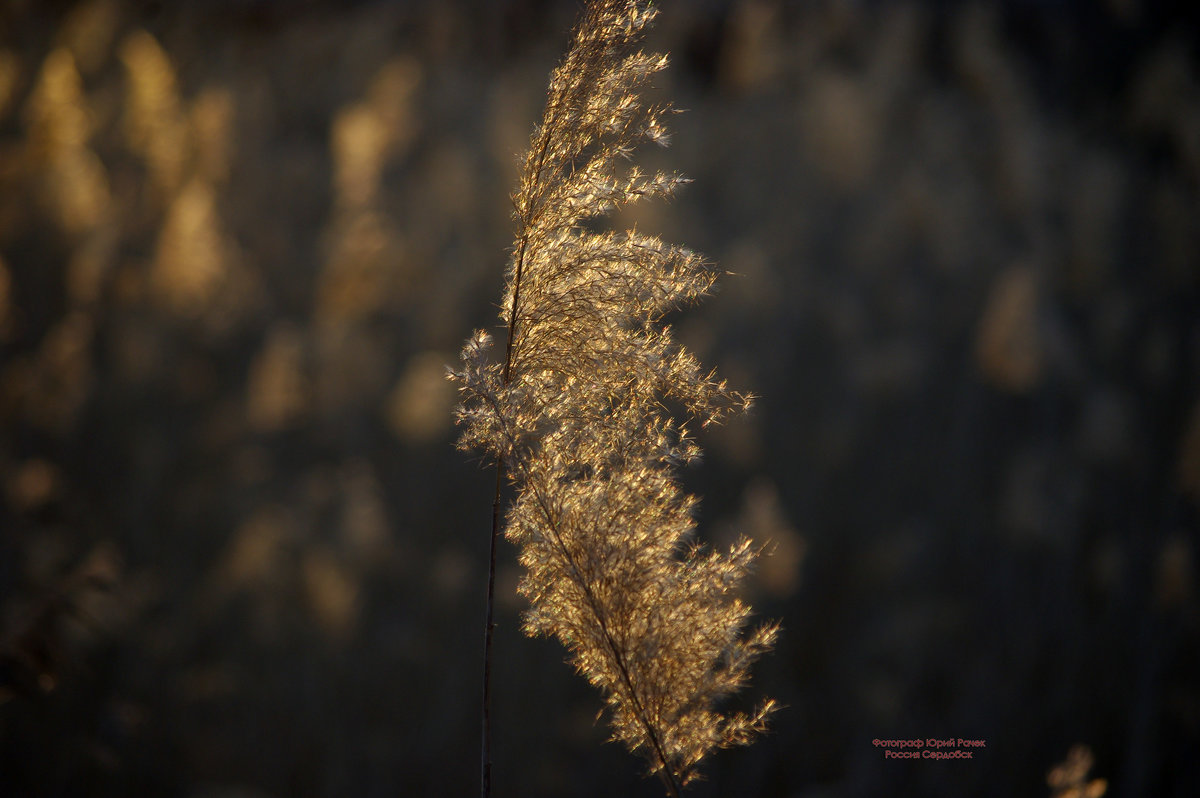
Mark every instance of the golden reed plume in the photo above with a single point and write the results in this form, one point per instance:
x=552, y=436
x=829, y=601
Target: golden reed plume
x=575, y=416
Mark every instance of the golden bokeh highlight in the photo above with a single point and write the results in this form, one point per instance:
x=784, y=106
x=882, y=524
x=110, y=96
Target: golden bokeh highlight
x=1008, y=347
x=34, y=484
x=1175, y=573
x=332, y=592
x=418, y=407
x=843, y=130
x=6, y=303
x=1069, y=779
x=212, y=119
x=361, y=141
x=765, y=521
x=365, y=253
x=359, y=273
x=155, y=125
x=253, y=559
x=1188, y=469
x=277, y=393
x=74, y=182
x=89, y=30
x=364, y=529
x=10, y=74
x=190, y=262
x=48, y=388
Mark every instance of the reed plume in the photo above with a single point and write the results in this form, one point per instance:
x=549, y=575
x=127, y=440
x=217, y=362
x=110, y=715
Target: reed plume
x=576, y=418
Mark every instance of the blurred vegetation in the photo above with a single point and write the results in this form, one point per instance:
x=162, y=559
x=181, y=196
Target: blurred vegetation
x=240, y=238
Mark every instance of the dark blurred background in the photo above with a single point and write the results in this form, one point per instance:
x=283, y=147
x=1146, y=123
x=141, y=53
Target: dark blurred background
x=241, y=239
